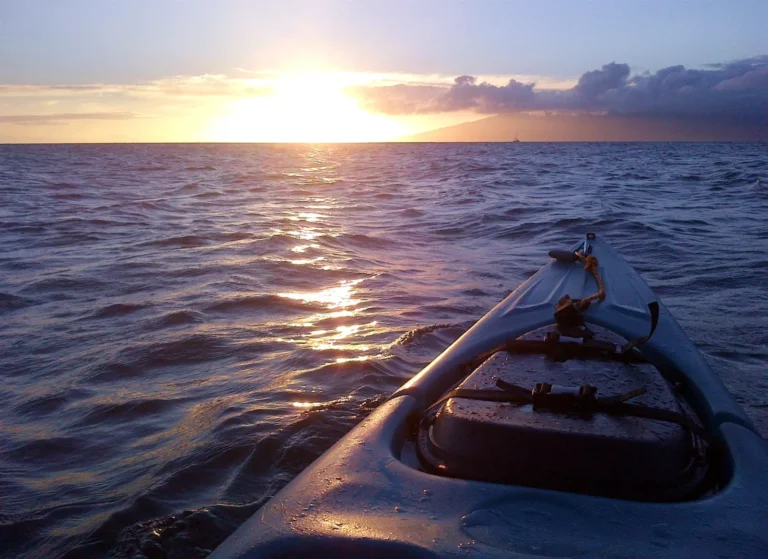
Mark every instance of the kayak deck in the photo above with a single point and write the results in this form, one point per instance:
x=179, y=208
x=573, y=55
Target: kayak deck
x=598, y=454
x=366, y=496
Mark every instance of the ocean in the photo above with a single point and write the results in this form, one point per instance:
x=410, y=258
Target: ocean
x=184, y=328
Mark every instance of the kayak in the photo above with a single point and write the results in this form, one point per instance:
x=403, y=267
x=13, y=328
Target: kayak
x=576, y=418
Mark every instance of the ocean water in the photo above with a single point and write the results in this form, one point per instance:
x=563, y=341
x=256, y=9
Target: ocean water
x=184, y=328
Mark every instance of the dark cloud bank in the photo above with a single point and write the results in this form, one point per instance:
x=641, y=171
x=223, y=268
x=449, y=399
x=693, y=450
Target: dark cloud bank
x=734, y=93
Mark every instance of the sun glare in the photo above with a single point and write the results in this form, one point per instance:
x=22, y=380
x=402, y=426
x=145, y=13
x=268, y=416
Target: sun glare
x=307, y=108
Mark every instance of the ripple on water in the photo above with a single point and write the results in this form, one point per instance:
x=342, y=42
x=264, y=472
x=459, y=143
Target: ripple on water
x=185, y=328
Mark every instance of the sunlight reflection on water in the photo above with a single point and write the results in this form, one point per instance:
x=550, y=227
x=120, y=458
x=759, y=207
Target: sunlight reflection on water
x=341, y=302
x=334, y=297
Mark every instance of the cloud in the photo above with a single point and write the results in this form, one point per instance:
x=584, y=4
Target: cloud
x=466, y=93
x=396, y=99
x=207, y=85
x=735, y=90
x=62, y=118
x=753, y=79
x=593, y=84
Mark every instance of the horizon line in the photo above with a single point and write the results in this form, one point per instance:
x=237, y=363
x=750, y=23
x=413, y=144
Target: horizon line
x=387, y=142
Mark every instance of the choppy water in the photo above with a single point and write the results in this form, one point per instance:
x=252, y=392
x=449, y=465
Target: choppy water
x=184, y=328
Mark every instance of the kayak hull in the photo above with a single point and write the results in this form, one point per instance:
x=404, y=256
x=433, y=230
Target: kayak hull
x=362, y=498
x=359, y=491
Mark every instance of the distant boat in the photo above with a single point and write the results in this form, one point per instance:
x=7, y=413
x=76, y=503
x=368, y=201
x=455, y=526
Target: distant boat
x=516, y=140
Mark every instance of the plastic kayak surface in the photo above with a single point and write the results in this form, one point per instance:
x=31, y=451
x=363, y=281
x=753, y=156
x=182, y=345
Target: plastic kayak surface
x=362, y=499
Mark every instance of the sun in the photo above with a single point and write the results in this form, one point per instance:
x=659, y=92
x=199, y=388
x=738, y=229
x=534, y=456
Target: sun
x=310, y=108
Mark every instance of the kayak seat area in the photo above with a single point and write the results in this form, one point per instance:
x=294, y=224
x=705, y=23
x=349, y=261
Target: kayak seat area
x=617, y=456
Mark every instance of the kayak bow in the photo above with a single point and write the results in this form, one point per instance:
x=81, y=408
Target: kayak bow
x=539, y=469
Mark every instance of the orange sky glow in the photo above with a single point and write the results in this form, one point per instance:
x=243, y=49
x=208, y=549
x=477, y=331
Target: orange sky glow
x=305, y=106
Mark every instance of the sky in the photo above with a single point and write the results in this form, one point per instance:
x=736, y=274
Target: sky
x=367, y=70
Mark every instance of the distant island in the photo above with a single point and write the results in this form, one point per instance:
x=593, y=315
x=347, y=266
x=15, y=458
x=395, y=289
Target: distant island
x=553, y=127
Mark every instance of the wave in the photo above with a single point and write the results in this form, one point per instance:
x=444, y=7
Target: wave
x=411, y=212
x=104, y=414
x=48, y=404
x=193, y=241
x=149, y=168
x=76, y=222
x=50, y=450
x=117, y=309
x=113, y=371
x=417, y=333
x=691, y=178
x=522, y=229
x=28, y=229
x=64, y=284
x=202, y=168
x=184, y=241
x=731, y=176
x=10, y=302
x=178, y=318
x=191, y=350
x=262, y=303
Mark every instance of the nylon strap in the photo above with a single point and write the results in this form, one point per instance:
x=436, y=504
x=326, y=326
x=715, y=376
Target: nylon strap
x=589, y=350
x=612, y=405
